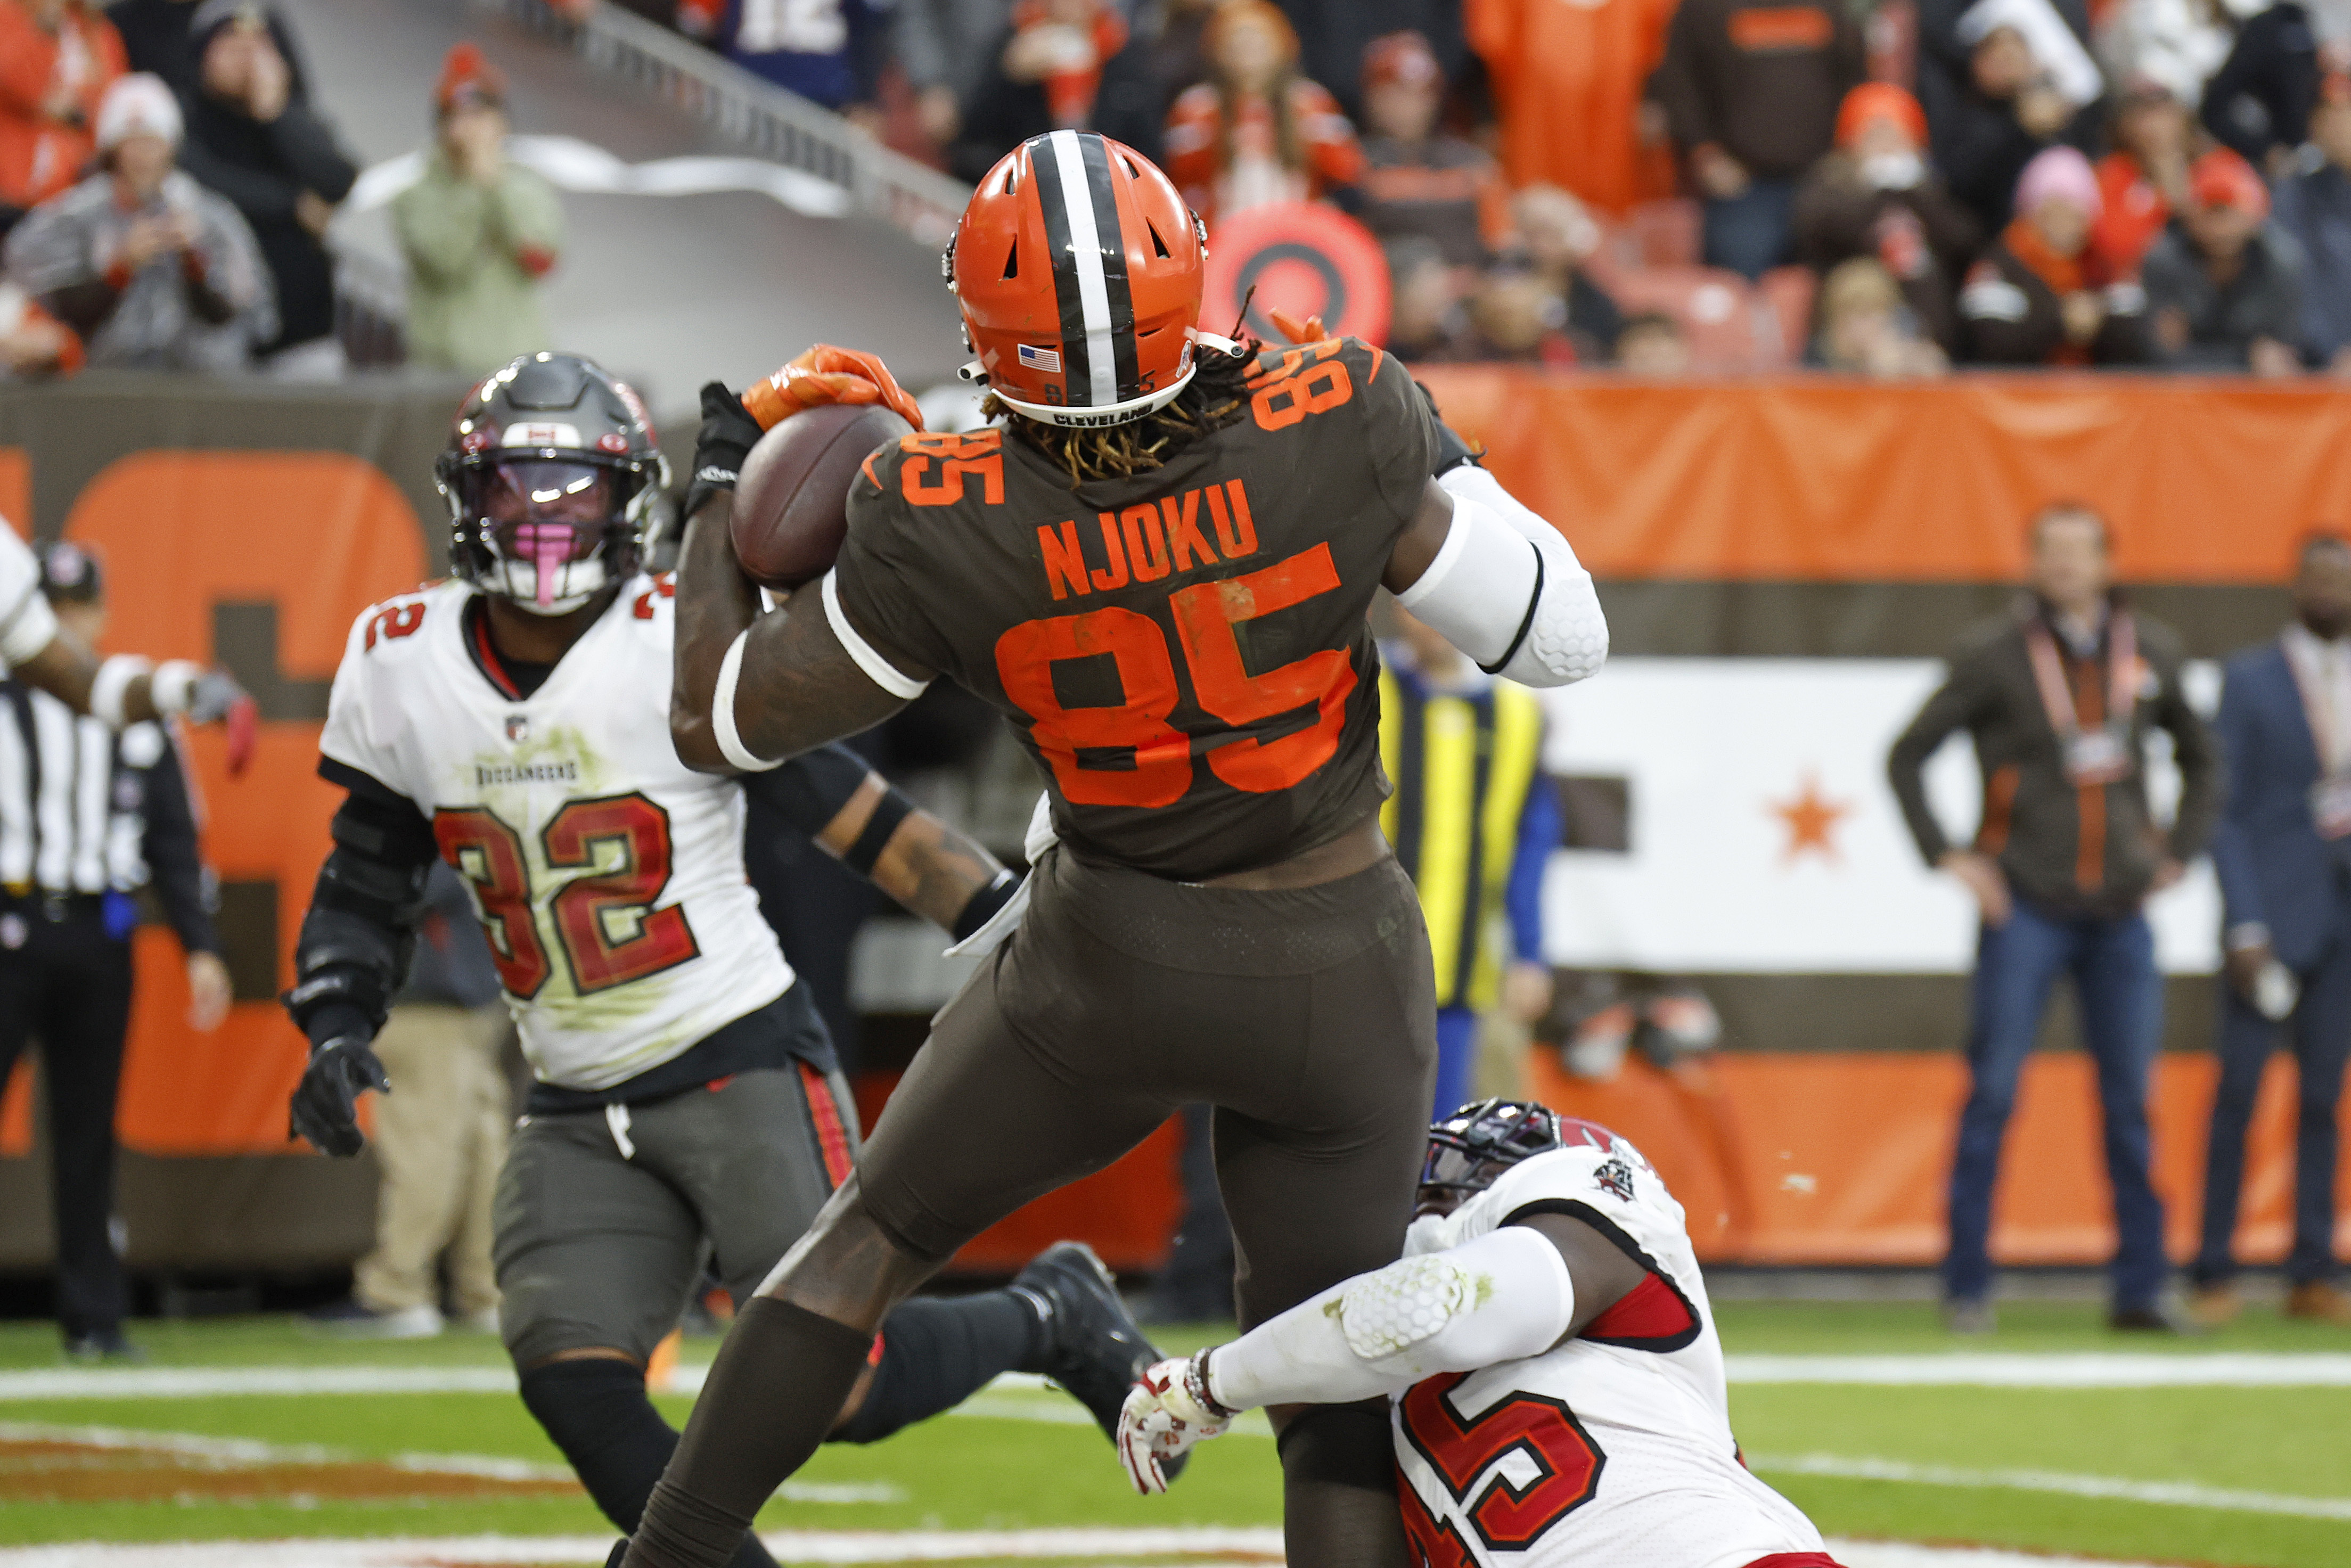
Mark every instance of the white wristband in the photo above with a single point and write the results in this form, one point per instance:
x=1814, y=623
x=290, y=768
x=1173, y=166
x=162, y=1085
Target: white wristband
x=722, y=711
x=174, y=686
x=112, y=685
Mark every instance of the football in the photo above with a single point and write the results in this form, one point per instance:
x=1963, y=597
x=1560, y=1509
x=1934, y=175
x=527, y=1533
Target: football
x=792, y=499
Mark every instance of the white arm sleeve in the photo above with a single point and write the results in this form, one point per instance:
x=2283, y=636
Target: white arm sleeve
x=1499, y=1298
x=26, y=625
x=1506, y=590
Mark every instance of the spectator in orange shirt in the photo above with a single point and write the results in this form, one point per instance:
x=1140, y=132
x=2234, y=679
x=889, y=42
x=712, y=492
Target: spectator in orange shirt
x=1417, y=181
x=2144, y=178
x=57, y=59
x=1256, y=131
x=1751, y=92
x=1568, y=78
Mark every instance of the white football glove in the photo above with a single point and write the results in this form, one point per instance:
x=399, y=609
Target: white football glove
x=1168, y=1409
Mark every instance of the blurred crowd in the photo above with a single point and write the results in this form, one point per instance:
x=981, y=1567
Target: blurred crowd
x=1879, y=187
x=1884, y=189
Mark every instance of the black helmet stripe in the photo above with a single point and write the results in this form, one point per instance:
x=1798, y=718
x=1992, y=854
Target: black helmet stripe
x=1114, y=265
x=1090, y=285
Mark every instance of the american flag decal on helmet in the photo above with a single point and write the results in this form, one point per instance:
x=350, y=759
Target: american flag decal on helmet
x=1046, y=360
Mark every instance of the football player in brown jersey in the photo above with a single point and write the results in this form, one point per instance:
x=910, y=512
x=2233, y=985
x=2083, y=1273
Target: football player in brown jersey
x=1157, y=567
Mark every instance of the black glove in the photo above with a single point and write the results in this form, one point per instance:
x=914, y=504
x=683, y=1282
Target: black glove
x=325, y=1108
x=728, y=433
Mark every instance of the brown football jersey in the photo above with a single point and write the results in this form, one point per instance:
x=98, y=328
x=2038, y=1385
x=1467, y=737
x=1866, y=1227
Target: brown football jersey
x=1184, y=651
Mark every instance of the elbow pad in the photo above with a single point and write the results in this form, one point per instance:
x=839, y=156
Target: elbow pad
x=355, y=944
x=1500, y=1298
x=1506, y=590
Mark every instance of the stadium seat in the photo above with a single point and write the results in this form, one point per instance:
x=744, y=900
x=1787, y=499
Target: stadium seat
x=1787, y=293
x=1665, y=233
x=1728, y=326
x=1654, y=234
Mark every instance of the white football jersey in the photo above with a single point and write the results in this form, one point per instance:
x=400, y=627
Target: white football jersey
x=1612, y=1450
x=26, y=623
x=608, y=875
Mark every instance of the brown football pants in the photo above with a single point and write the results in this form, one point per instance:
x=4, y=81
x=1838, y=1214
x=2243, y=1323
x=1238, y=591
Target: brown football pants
x=1306, y=1017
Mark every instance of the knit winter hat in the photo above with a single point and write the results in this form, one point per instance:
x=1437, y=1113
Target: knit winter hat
x=2223, y=179
x=136, y=105
x=2059, y=174
x=468, y=81
x=1879, y=100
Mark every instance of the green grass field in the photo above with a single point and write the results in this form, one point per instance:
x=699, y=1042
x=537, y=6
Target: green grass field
x=2259, y=1477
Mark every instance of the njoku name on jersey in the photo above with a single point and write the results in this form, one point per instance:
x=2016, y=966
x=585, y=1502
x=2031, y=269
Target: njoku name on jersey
x=608, y=875
x=1612, y=1450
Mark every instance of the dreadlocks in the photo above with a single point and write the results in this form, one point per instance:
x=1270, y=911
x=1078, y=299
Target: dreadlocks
x=1215, y=396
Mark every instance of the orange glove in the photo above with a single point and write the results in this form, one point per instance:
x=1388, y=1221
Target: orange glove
x=826, y=374
x=1310, y=330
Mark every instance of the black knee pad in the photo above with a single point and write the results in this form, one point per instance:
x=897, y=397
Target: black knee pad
x=596, y=1410
x=1340, y=1444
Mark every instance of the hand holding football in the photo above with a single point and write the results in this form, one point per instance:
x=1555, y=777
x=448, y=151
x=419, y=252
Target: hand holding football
x=792, y=499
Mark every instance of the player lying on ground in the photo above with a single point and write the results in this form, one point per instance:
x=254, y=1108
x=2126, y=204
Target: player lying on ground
x=515, y=722
x=1157, y=569
x=120, y=690
x=1546, y=1341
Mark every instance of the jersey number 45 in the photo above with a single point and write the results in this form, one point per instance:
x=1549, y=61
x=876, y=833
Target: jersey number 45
x=1544, y=1435
x=488, y=854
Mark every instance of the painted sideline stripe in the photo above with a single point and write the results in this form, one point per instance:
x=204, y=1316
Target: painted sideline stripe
x=1200, y=1546
x=1955, y=1369
x=1961, y=1369
x=2176, y=1494
x=230, y=1453
x=1207, y=1544
x=213, y=1382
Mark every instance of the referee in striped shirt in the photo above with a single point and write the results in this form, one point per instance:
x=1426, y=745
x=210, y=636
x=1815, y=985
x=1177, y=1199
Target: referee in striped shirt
x=88, y=818
x=1473, y=824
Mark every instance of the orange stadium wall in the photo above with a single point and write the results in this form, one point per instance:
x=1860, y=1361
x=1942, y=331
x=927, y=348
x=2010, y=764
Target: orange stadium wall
x=248, y=526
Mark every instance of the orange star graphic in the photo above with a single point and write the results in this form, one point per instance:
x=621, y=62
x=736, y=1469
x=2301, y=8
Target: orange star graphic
x=1810, y=818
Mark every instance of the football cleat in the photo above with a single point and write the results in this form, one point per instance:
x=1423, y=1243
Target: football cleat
x=1095, y=1349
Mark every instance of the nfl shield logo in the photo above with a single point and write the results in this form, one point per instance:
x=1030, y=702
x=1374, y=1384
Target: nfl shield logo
x=517, y=728
x=1046, y=360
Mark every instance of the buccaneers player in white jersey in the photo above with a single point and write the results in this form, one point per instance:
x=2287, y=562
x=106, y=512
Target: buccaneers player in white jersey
x=514, y=721
x=1558, y=1385
x=120, y=690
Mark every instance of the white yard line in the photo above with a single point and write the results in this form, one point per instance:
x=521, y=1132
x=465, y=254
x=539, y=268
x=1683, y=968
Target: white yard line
x=213, y=1382
x=2177, y=1494
x=231, y=1453
x=1961, y=1369
x=1955, y=1370
x=1199, y=1546
x=1104, y=1548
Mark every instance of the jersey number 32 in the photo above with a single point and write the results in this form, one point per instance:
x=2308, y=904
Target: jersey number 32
x=489, y=855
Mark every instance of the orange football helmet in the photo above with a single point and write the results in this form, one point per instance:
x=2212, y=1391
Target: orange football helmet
x=1079, y=267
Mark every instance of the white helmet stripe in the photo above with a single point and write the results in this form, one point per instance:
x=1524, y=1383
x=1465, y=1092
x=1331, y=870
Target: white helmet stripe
x=1085, y=246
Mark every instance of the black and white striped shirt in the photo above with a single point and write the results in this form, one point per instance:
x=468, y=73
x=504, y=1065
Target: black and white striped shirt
x=83, y=811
